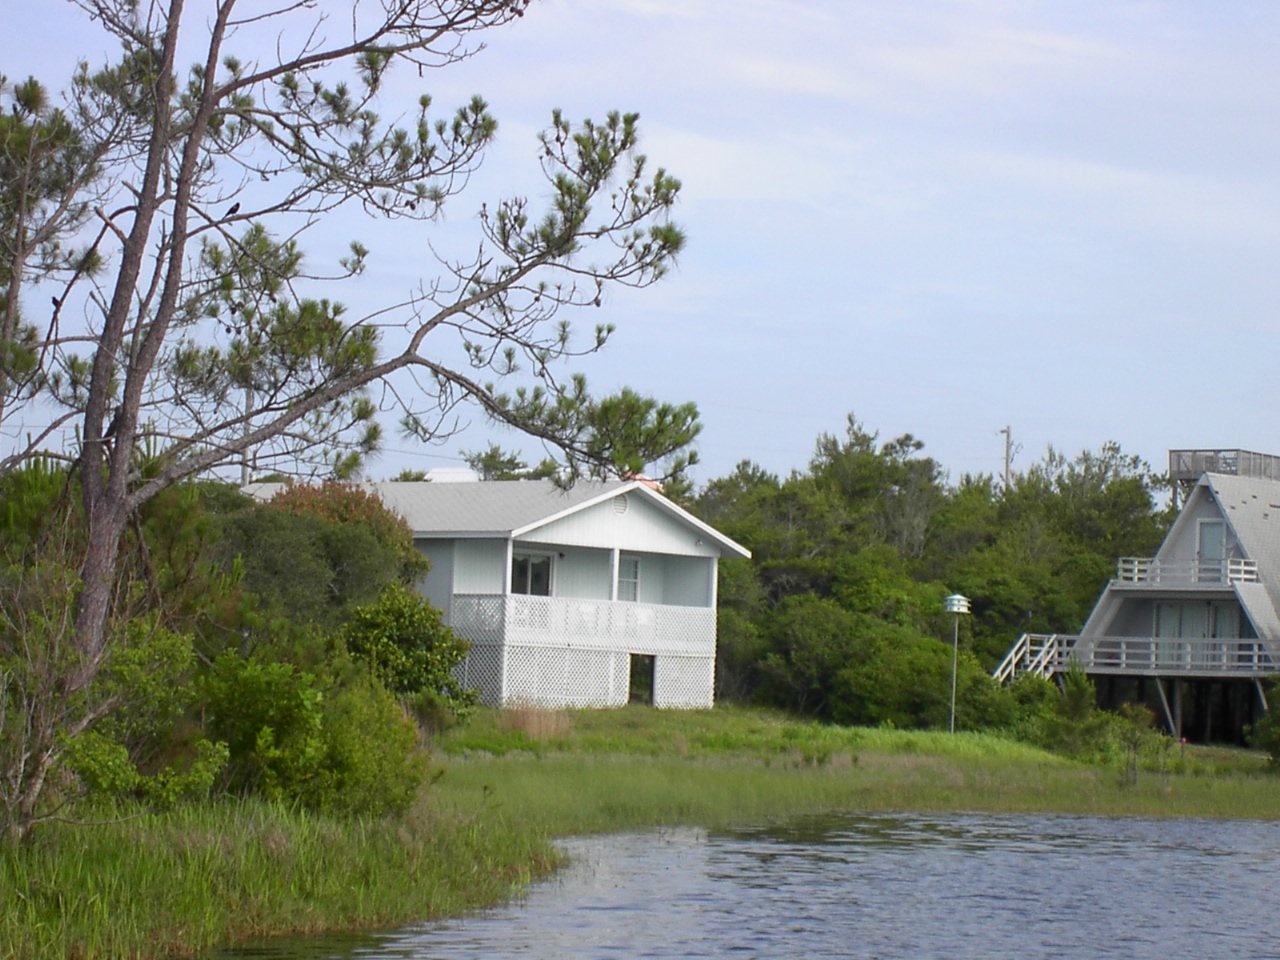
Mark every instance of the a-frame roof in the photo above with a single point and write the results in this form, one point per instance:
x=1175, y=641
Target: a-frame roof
x=1251, y=508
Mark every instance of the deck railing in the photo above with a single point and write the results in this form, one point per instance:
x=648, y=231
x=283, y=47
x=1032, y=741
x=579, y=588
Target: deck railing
x=1182, y=572
x=1045, y=655
x=1034, y=653
x=1173, y=655
x=520, y=620
x=1188, y=465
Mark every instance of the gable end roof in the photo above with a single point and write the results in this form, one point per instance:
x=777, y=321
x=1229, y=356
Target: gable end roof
x=506, y=509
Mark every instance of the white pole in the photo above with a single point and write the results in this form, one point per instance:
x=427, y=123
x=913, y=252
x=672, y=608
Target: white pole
x=955, y=653
x=955, y=605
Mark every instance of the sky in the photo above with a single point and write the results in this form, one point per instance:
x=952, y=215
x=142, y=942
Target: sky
x=946, y=217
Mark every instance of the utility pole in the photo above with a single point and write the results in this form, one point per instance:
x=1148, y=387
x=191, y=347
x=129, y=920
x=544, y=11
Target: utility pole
x=1009, y=452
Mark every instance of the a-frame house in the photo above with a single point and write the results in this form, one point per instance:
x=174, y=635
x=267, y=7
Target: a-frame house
x=1194, y=630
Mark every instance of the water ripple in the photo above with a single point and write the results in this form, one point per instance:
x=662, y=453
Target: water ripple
x=878, y=887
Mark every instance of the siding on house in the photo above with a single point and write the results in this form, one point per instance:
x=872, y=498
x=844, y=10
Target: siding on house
x=437, y=585
x=480, y=566
x=688, y=582
x=631, y=522
x=581, y=573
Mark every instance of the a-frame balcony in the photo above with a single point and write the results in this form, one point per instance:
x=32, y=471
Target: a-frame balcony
x=1155, y=572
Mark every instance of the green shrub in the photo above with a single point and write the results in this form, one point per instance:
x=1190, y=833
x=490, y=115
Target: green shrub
x=102, y=764
x=270, y=716
x=339, y=743
x=172, y=785
x=371, y=764
x=407, y=646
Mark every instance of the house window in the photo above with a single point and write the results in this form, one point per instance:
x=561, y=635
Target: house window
x=628, y=578
x=1197, y=620
x=531, y=574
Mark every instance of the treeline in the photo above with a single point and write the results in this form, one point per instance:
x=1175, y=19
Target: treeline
x=840, y=612
x=274, y=649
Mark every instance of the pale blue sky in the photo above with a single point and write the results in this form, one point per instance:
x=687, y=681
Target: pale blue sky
x=945, y=217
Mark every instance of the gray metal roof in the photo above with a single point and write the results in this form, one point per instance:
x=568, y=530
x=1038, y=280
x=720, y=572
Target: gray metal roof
x=485, y=508
x=506, y=508
x=1251, y=507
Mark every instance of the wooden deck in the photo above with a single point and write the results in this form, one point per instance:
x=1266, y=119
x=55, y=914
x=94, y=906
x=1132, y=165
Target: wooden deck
x=1172, y=657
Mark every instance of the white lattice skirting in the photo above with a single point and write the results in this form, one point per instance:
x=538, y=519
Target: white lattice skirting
x=568, y=677
x=557, y=652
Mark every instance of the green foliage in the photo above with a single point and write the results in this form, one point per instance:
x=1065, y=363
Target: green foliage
x=1076, y=725
x=494, y=463
x=105, y=770
x=841, y=612
x=621, y=435
x=346, y=504
x=270, y=716
x=311, y=555
x=233, y=355
x=102, y=764
x=42, y=154
x=740, y=649
x=372, y=763
x=151, y=671
x=811, y=640
x=407, y=647
x=1040, y=552
x=340, y=743
x=174, y=784
x=1266, y=732
x=30, y=499
x=1068, y=721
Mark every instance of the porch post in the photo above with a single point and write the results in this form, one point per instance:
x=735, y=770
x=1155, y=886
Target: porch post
x=614, y=560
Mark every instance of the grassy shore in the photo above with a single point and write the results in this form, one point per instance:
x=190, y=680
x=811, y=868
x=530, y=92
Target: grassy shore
x=185, y=881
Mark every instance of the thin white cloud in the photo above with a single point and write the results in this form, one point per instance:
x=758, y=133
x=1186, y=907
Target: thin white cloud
x=1142, y=198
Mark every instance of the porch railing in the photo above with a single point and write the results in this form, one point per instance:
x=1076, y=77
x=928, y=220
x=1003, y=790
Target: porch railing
x=520, y=620
x=1045, y=655
x=1182, y=572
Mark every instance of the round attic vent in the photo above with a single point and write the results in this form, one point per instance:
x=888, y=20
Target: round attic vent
x=620, y=504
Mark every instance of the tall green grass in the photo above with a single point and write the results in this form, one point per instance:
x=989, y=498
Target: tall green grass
x=186, y=881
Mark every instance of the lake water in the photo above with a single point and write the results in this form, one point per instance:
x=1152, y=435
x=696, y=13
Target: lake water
x=901, y=886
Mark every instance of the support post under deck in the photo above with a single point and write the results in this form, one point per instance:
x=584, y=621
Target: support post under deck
x=1177, y=707
x=1164, y=702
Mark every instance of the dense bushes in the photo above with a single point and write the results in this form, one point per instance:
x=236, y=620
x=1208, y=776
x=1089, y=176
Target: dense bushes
x=227, y=666
x=840, y=612
x=331, y=743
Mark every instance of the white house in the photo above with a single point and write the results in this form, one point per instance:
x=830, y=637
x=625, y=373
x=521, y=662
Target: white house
x=1194, y=629
x=571, y=598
